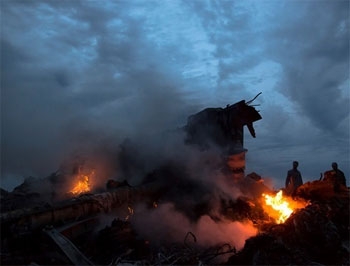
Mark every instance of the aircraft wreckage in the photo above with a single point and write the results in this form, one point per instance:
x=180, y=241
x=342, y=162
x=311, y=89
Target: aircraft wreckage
x=70, y=222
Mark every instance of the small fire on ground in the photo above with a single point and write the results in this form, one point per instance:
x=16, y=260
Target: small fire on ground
x=280, y=207
x=82, y=185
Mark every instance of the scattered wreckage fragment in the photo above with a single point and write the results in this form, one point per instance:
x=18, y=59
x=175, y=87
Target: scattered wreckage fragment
x=223, y=128
x=318, y=233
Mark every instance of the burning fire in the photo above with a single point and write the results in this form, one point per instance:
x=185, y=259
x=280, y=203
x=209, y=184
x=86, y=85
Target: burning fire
x=280, y=207
x=82, y=186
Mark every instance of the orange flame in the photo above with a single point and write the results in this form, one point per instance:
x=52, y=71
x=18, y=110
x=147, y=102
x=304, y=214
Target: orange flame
x=82, y=186
x=279, y=207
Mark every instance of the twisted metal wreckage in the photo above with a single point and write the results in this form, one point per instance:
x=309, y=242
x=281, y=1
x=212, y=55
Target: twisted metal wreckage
x=68, y=222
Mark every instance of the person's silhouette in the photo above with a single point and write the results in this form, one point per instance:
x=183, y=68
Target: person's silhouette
x=293, y=179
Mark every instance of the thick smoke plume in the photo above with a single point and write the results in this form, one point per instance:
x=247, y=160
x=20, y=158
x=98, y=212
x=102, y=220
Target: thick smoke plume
x=166, y=225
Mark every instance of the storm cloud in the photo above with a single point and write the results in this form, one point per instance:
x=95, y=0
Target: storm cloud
x=76, y=74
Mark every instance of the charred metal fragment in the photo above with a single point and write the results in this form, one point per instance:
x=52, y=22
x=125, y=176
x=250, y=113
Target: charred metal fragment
x=223, y=128
x=69, y=249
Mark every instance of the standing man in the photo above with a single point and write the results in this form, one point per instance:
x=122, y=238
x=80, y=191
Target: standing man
x=335, y=177
x=339, y=175
x=293, y=180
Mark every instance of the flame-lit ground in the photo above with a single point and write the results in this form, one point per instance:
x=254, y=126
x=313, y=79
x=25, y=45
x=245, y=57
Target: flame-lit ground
x=238, y=231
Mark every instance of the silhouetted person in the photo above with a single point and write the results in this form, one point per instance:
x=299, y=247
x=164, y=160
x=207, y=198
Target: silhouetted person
x=293, y=180
x=340, y=177
x=335, y=176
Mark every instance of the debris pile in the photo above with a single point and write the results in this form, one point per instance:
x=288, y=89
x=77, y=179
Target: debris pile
x=317, y=234
x=70, y=217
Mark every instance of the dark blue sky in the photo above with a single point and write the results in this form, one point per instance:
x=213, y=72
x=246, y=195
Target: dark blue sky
x=75, y=73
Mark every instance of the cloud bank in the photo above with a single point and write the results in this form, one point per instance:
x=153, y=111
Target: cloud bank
x=77, y=74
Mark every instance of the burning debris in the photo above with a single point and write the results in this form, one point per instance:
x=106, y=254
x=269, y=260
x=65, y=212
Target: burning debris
x=316, y=234
x=281, y=207
x=82, y=185
x=199, y=210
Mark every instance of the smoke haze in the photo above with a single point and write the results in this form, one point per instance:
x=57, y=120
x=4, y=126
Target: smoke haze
x=166, y=225
x=79, y=75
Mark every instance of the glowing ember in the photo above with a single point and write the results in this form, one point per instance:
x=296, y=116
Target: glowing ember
x=82, y=186
x=131, y=213
x=280, y=207
x=155, y=204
